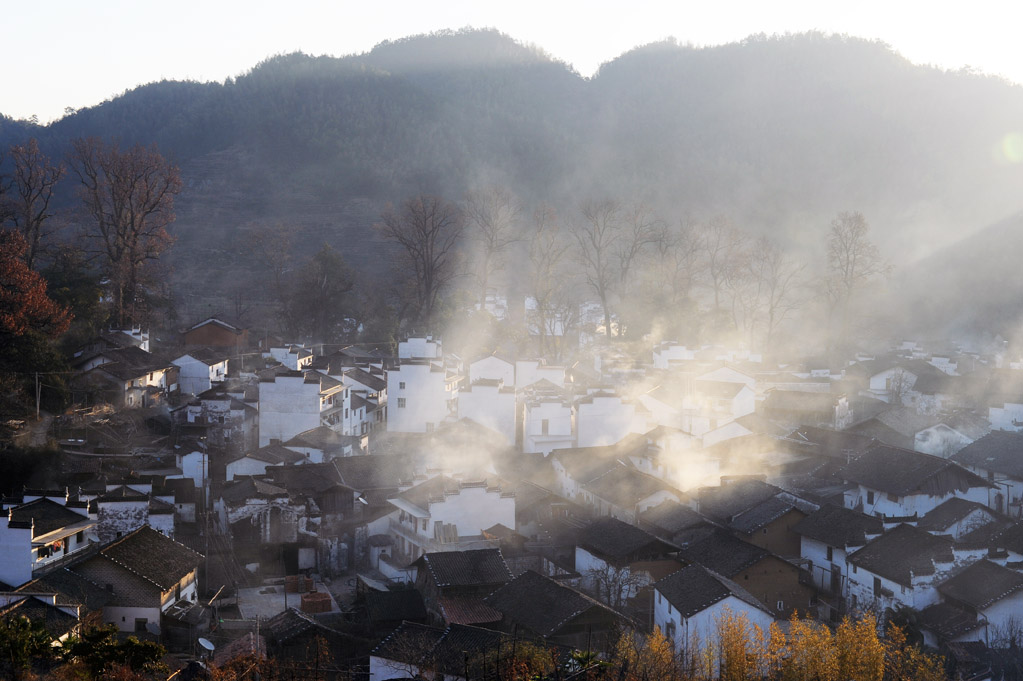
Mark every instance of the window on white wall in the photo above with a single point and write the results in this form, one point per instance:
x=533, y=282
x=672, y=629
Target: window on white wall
x=401, y=403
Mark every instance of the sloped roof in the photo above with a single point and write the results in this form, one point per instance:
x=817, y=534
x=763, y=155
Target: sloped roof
x=999, y=451
x=982, y=584
x=723, y=553
x=694, y=588
x=724, y=502
x=541, y=604
x=834, y=444
x=152, y=556
x=286, y=625
x=467, y=610
x=476, y=567
x=948, y=620
x=725, y=390
x=431, y=491
x=625, y=486
x=611, y=538
x=902, y=472
x=70, y=587
x=363, y=377
x=672, y=517
x=395, y=606
x=47, y=514
x=903, y=552
x=273, y=454
x=950, y=512
x=320, y=437
x=56, y=622
x=207, y=356
x=838, y=526
x=375, y=471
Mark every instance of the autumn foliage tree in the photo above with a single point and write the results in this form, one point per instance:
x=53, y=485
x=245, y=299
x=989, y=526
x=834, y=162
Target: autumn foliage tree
x=128, y=196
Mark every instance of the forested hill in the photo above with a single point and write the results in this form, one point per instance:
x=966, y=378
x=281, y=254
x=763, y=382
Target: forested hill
x=779, y=133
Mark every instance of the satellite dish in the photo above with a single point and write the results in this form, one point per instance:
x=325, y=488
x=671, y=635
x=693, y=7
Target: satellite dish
x=153, y=628
x=205, y=643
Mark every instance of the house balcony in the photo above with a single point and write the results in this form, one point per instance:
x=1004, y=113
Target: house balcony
x=429, y=545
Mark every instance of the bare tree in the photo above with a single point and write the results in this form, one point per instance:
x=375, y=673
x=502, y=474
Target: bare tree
x=556, y=307
x=723, y=247
x=33, y=183
x=599, y=236
x=428, y=229
x=490, y=216
x=613, y=584
x=678, y=260
x=129, y=196
x=853, y=261
x=780, y=279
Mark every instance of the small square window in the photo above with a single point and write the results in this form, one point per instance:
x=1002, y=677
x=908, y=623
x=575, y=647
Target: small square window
x=401, y=385
x=401, y=403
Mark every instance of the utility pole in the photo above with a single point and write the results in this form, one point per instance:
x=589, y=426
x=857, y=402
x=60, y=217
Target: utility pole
x=39, y=393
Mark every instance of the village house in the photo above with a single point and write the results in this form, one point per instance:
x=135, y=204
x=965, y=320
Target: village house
x=689, y=604
x=199, y=370
x=39, y=533
x=796, y=407
x=443, y=514
x=901, y=483
x=291, y=402
x=531, y=371
x=998, y=458
x=493, y=367
x=369, y=392
x=548, y=418
x=294, y=357
x=454, y=584
x=255, y=462
x=146, y=573
x=782, y=586
x=123, y=509
x=669, y=354
x=535, y=606
x=904, y=566
x=624, y=492
x=616, y=561
x=225, y=415
x=827, y=537
x=490, y=403
x=421, y=395
x=322, y=444
x=126, y=378
x=604, y=418
x=218, y=334
x=980, y=603
x=577, y=466
x=59, y=619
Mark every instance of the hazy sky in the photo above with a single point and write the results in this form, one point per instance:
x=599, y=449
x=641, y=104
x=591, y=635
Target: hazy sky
x=63, y=53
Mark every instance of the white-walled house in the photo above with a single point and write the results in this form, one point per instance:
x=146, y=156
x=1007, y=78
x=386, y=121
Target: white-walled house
x=257, y=461
x=689, y=604
x=491, y=404
x=199, y=369
x=904, y=567
x=604, y=418
x=548, y=419
x=294, y=357
x=493, y=367
x=1006, y=415
x=531, y=371
x=900, y=483
x=291, y=402
x=827, y=537
x=668, y=354
x=998, y=458
x=420, y=348
x=146, y=574
x=988, y=596
x=420, y=396
x=443, y=514
x=38, y=533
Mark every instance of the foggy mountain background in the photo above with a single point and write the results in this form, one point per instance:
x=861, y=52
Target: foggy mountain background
x=777, y=133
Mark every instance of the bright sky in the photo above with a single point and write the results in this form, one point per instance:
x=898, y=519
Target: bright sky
x=63, y=53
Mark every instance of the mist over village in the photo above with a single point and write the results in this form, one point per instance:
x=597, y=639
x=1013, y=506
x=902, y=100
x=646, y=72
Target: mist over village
x=444, y=361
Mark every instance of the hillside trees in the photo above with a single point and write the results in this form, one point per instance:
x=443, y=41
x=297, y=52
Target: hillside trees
x=31, y=192
x=490, y=216
x=598, y=237
x=853, y=262
x=128, y=196
x=428, y=230
x=319, y=304
x=555, y=306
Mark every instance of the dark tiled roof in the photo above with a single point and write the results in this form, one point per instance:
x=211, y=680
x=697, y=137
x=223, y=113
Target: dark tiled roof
x=374, y=383
x=830, y=443
x=694, y=588
x=720, y=389
x=949, y=513
x=541, y=604
x=767, y=511
x=839, y=527
x=903, y=552
x=47, y=514
x=467, y=610
x=902, y=472
x=375, y=471
x=310, y=478
x=982, y=584
x=285, y=626
x=432, y=491
x=670, y=517
x=625, y=486
x=273, y=454
x=948, y=620
x=207, y=356
x=620, y=541
x=478, y=567
x=410, y=643
x=154, y=557
x=248, y=487
x=122, y=493
x=395, y=606
x=998, y=451
x=724, y=502
x=57, y=622
x=320, y=437
x=723, y=553
x=70, y=587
